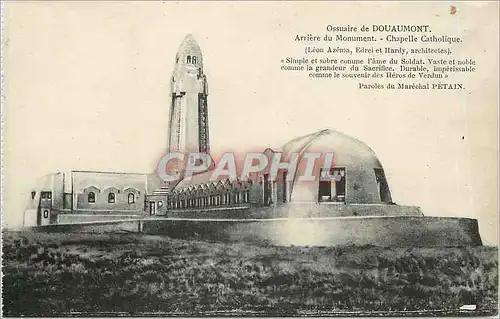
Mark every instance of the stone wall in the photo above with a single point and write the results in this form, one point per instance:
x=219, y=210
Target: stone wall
x=402, y=231
x=385, y=231
x=298, y=210
x=104, y=183
x=92, y=227
x=85, y=218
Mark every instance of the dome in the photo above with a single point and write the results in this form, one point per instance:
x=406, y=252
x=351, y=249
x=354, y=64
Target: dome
x=356, y=176
x=347, y=149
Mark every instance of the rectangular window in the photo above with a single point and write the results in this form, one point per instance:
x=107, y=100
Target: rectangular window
x=383, y=187
x=332, y=185
x=285, y=187
x=152, y=208
x=325, y=191
x=267, y=189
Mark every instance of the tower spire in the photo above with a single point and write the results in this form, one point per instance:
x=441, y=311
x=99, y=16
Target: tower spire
x=188, y=131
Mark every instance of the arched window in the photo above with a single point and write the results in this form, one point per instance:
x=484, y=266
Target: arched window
x=131, y=198
x=111, y=197
x=188, y=59
x=194, y=60
x=91, y=197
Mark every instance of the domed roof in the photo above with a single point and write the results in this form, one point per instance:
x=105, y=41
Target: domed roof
x=347, y=150
x=363, y=171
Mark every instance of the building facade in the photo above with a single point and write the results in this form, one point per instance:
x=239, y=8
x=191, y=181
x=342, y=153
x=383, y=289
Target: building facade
x=78, y=196
x=354, y=185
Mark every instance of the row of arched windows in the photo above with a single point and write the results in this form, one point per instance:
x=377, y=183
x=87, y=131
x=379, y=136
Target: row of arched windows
x=111, y=198
x=210, y=194
x=194, y=201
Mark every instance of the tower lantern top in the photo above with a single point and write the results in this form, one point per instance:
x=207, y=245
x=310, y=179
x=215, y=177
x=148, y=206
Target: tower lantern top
x=188, y=50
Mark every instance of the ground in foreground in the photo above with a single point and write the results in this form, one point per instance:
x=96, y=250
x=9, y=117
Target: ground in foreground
x=133, y=274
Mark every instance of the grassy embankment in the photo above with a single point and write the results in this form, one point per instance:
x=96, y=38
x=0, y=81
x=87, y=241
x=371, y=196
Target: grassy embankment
x=59, y=274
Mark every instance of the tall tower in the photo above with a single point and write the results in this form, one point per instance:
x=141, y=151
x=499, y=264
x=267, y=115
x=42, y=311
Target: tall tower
x=188, y=130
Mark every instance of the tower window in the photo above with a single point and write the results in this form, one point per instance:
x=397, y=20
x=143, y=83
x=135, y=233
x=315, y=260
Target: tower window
x=194, y=60
x=188, y=59
x=131, y=198
x=46, y=195
x=33, y=195
x=111, y=198
x=91, y=197
x=45, y=214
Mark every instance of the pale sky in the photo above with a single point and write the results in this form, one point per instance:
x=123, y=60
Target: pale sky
x=87, y=87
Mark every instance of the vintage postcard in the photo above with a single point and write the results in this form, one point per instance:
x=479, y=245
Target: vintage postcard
x=183, y=158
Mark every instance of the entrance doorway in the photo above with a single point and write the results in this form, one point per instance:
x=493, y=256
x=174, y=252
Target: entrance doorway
x=267, y=190
x=152, y=208
x=332, y=185
x=285, y=190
